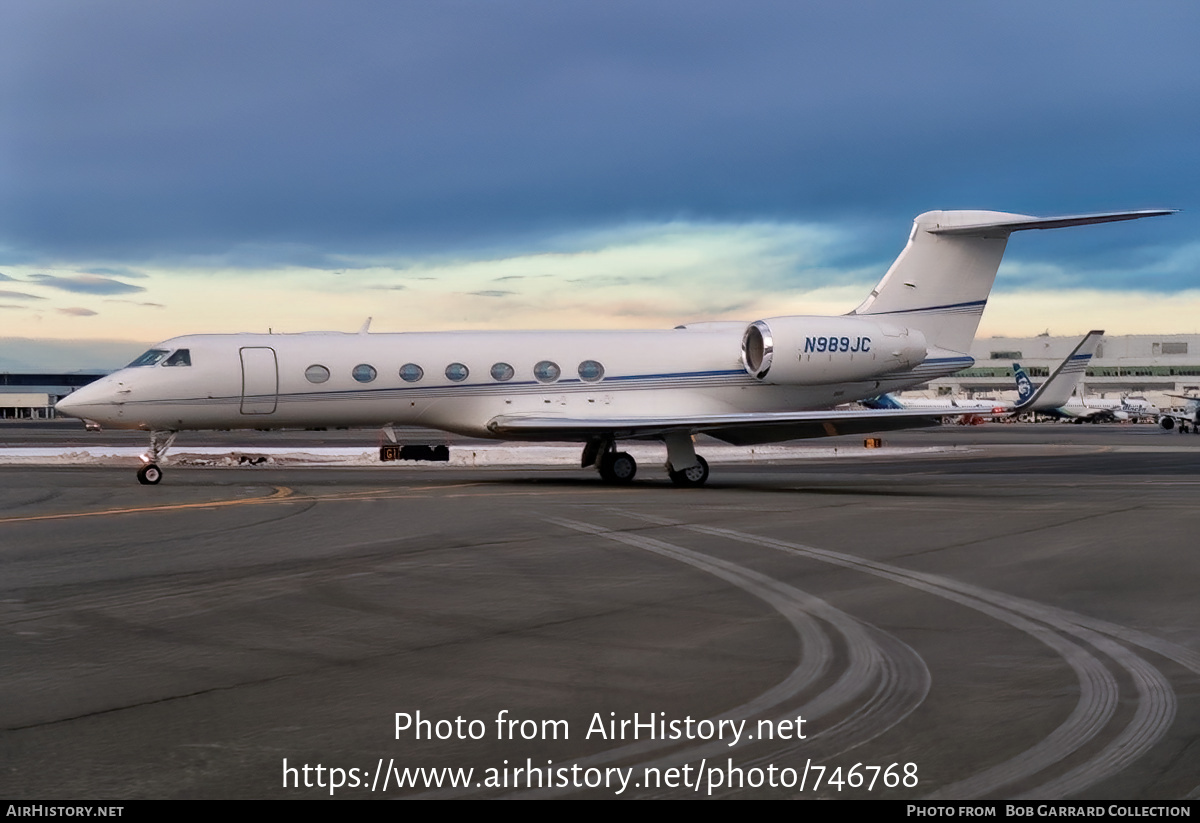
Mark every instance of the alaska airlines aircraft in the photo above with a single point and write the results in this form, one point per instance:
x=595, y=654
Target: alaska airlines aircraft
x=1186, y=417
x=773, y=379
x=1057, y=391
x=1049, y=396
x=1056, y=397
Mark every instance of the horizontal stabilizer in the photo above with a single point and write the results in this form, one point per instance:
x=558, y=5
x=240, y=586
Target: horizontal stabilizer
x=1023, y=222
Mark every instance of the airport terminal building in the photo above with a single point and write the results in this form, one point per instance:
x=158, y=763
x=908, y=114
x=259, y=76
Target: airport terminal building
x=32, y=396
x=1137, y=364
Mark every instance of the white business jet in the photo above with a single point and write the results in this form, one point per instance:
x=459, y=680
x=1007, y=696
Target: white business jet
x=773, y=379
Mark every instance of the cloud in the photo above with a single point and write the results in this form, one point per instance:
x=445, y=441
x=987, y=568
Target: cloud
x=137, y=303
x=19, y=295
x=491, y=293
x=25, y=354
x=84, y=284
x=117, y=271
x=76, y=311
x=536, y=118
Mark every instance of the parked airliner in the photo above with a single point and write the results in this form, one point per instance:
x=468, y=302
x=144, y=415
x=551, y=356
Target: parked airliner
x=1069, y=406
x=773, y=379
x=1048, y=397
x=1185, y=418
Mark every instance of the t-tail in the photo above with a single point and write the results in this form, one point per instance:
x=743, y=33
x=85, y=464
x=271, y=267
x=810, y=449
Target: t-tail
x=940, y=283
x=1055, y=392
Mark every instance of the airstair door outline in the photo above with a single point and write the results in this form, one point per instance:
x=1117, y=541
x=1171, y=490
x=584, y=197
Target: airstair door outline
x=260, y=380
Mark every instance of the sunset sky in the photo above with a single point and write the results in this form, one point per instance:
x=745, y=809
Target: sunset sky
x=169, y=168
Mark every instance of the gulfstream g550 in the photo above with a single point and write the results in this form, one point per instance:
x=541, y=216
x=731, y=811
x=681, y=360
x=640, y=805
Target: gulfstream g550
x=745, y=383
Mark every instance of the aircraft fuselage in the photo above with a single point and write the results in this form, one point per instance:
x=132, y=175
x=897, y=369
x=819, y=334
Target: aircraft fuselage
x=458, y=381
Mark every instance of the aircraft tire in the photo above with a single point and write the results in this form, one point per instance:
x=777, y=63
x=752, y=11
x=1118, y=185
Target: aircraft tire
x=149, y=475
x=694, y=477
x=617, y=468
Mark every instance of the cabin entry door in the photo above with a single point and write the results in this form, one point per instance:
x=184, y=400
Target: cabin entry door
x=260, y=380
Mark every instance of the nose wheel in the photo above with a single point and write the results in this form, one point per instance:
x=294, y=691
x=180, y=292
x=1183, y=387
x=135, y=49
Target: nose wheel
x=149, y=475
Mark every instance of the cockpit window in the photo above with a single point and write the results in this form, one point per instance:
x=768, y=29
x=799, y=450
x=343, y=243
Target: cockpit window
x=182, y=357
x=149, y=358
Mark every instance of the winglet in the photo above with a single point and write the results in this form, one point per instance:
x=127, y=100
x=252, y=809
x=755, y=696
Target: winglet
x=1057, y=390
x=366, y=326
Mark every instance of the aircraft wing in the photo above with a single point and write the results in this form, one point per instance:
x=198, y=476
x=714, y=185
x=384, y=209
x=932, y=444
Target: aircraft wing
x=740, y=429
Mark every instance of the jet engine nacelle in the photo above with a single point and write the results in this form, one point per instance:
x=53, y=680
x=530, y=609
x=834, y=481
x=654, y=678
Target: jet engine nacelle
x=805, y=351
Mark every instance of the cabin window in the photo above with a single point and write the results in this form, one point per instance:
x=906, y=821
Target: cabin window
x=316, y=373
x=546, y=371
x=363, y=373
x=590, y=371
x=411, y=372
x=503, y=372
x=457, y=372
x=182, y=357
x=149, y=358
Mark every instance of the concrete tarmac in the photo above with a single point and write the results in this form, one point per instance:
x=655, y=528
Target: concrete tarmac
x=1014, y=617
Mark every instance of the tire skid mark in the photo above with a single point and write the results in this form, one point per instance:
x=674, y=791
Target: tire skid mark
x=1097, y=703
x=1098, y=689
x=897, y=687
x=903, y=684
x=1154, y=714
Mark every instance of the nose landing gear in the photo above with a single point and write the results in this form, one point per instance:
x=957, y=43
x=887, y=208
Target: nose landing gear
x=150, y=474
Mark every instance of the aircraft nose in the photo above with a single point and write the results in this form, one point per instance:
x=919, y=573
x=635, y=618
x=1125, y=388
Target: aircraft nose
x=73, y=404
x=67, y=405
x=86, y=402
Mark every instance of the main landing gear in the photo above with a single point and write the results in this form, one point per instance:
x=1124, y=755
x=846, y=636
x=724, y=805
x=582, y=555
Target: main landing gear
x=618, y=468
x=695, y=476
x=150, y=474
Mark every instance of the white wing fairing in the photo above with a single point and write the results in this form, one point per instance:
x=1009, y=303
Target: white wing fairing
x=773, y=379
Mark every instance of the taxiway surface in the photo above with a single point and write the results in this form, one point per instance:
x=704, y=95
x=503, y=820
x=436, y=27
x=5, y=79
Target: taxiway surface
x=1013, y=618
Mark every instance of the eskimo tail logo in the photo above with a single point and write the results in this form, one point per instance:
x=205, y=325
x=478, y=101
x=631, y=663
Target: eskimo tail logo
x=1024, y=386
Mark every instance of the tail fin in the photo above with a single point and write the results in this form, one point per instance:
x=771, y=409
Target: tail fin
x=941, y=281
x=1058, y=389
x=1024, y=384
x=883, y=401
